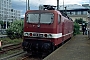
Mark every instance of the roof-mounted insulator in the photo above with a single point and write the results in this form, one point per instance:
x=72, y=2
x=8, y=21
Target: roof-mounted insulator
x=49, y=7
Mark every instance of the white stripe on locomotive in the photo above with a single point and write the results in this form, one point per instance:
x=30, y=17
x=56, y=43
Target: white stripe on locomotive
x=49, y=35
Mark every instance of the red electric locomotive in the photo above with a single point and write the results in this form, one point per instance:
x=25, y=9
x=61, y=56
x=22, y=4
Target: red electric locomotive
x=45, y=29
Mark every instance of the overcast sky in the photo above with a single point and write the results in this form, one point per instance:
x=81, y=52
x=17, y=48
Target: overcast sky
x=21, y=4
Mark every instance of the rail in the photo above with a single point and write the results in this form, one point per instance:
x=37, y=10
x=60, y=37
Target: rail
x=31, y=58
x=11, y=56
x=10, y=47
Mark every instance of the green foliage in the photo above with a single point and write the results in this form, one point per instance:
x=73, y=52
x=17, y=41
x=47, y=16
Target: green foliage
x=80, y=21
x=76, y=28
x=1, y=22
x=15, y=30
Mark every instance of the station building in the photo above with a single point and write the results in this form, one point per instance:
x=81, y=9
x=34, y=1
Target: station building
x=75, y=11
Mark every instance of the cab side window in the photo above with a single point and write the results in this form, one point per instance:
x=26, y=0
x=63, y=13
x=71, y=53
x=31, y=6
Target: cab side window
x=59, y=19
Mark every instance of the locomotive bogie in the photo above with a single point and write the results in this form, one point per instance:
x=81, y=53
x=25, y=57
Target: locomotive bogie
x=37, y=45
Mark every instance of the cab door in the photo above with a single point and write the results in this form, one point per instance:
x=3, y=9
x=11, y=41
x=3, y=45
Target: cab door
x=59, y=29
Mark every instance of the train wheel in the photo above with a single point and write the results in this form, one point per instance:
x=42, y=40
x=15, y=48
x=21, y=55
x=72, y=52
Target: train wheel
x=53, y=48
x=29, y=53
x=62, y=43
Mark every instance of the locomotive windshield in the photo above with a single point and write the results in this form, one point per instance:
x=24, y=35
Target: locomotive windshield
x=40, y=18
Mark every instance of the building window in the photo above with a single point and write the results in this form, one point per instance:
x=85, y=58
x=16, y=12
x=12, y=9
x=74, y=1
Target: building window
x=79, y=12
x=11, y=10
x=84, y=12
x=2, y=11
x=73, y=13
x=7, y=2
x=76, y=12
x=12, y=16
x=4, y=2
x=14, y=13
x=70, y=13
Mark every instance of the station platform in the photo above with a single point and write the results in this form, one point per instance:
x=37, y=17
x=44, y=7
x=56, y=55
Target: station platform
x=77, y=48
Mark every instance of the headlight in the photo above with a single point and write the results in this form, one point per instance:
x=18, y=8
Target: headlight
x=26, y=34
x=48, y=35
x=30, y=34
x=45, y=35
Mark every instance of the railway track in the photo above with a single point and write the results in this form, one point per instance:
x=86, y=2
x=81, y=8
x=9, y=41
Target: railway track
x=24, y=56
x=10, y=47
x=11, y=56
x=31, y=58
x=13, y=47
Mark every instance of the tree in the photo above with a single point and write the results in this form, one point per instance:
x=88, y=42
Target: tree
x=80, y=21
x=15, y=30
x=76, y=28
